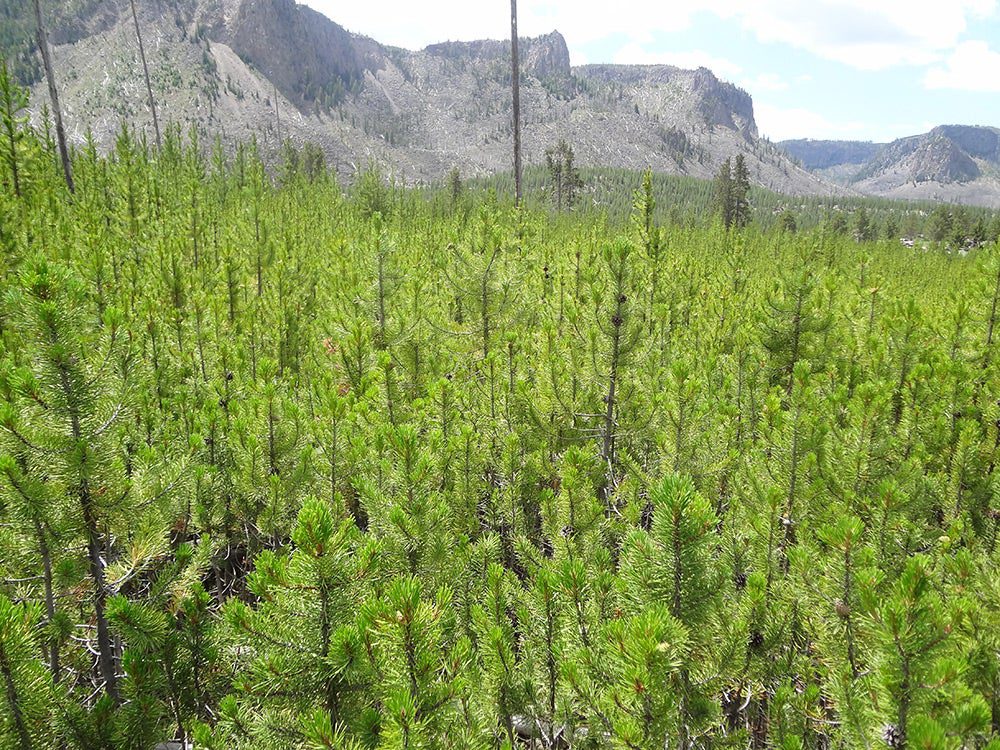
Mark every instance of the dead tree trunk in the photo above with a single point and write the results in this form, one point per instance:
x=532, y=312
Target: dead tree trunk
x=145, y=73
x=43, y=46
x=516, y=92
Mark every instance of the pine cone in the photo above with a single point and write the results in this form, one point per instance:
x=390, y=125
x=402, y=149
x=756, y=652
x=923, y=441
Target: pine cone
x=892, y=736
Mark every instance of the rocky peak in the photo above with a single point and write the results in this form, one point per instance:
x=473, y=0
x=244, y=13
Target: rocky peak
x=303, y=53
x=946, y=155
x=547, y=57
x=544, y=57
x=724, y=104
x=951, y=163
x=977, y=142
x=940, y=159
x=715, y=103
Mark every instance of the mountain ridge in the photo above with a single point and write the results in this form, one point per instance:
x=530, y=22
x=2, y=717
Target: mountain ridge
x=949, y=163
x=277, y=71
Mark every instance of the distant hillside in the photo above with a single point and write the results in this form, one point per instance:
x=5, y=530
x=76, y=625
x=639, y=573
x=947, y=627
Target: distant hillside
x=825, y=154
x=275, y=70
x=951, y=163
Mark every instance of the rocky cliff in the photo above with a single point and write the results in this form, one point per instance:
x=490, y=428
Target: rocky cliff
x=305, y=55
x=954, y=163
x=277, y=70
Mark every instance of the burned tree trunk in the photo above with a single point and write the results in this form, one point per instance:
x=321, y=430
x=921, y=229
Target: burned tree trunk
x=516, y=92
x=145, y=73
x=43, y=46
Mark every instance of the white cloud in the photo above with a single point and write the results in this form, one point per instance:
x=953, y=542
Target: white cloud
x=586, y=21
x=405, y=24
x=765, y=82
x=973, y=66
x=866, y=34
x=784, y=123
x=780, y=123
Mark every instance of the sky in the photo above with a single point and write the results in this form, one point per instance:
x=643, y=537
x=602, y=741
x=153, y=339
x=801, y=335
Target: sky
x=871, y=70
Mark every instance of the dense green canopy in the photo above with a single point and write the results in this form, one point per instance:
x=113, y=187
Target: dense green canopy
x=288, y=468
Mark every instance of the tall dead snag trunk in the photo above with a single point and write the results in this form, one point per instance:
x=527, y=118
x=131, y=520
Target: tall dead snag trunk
x=515, y=83
x=145, y=73
x=43, y=46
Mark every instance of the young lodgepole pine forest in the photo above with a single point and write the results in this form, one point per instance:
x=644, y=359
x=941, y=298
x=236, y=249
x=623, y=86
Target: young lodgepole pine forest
x=287, y=467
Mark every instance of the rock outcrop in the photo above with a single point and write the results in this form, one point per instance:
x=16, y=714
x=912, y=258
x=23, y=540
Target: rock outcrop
x=277, y=70
x=952, y=163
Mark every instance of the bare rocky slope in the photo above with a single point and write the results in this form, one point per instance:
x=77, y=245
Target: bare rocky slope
x=951, y=163
x=277, y=71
